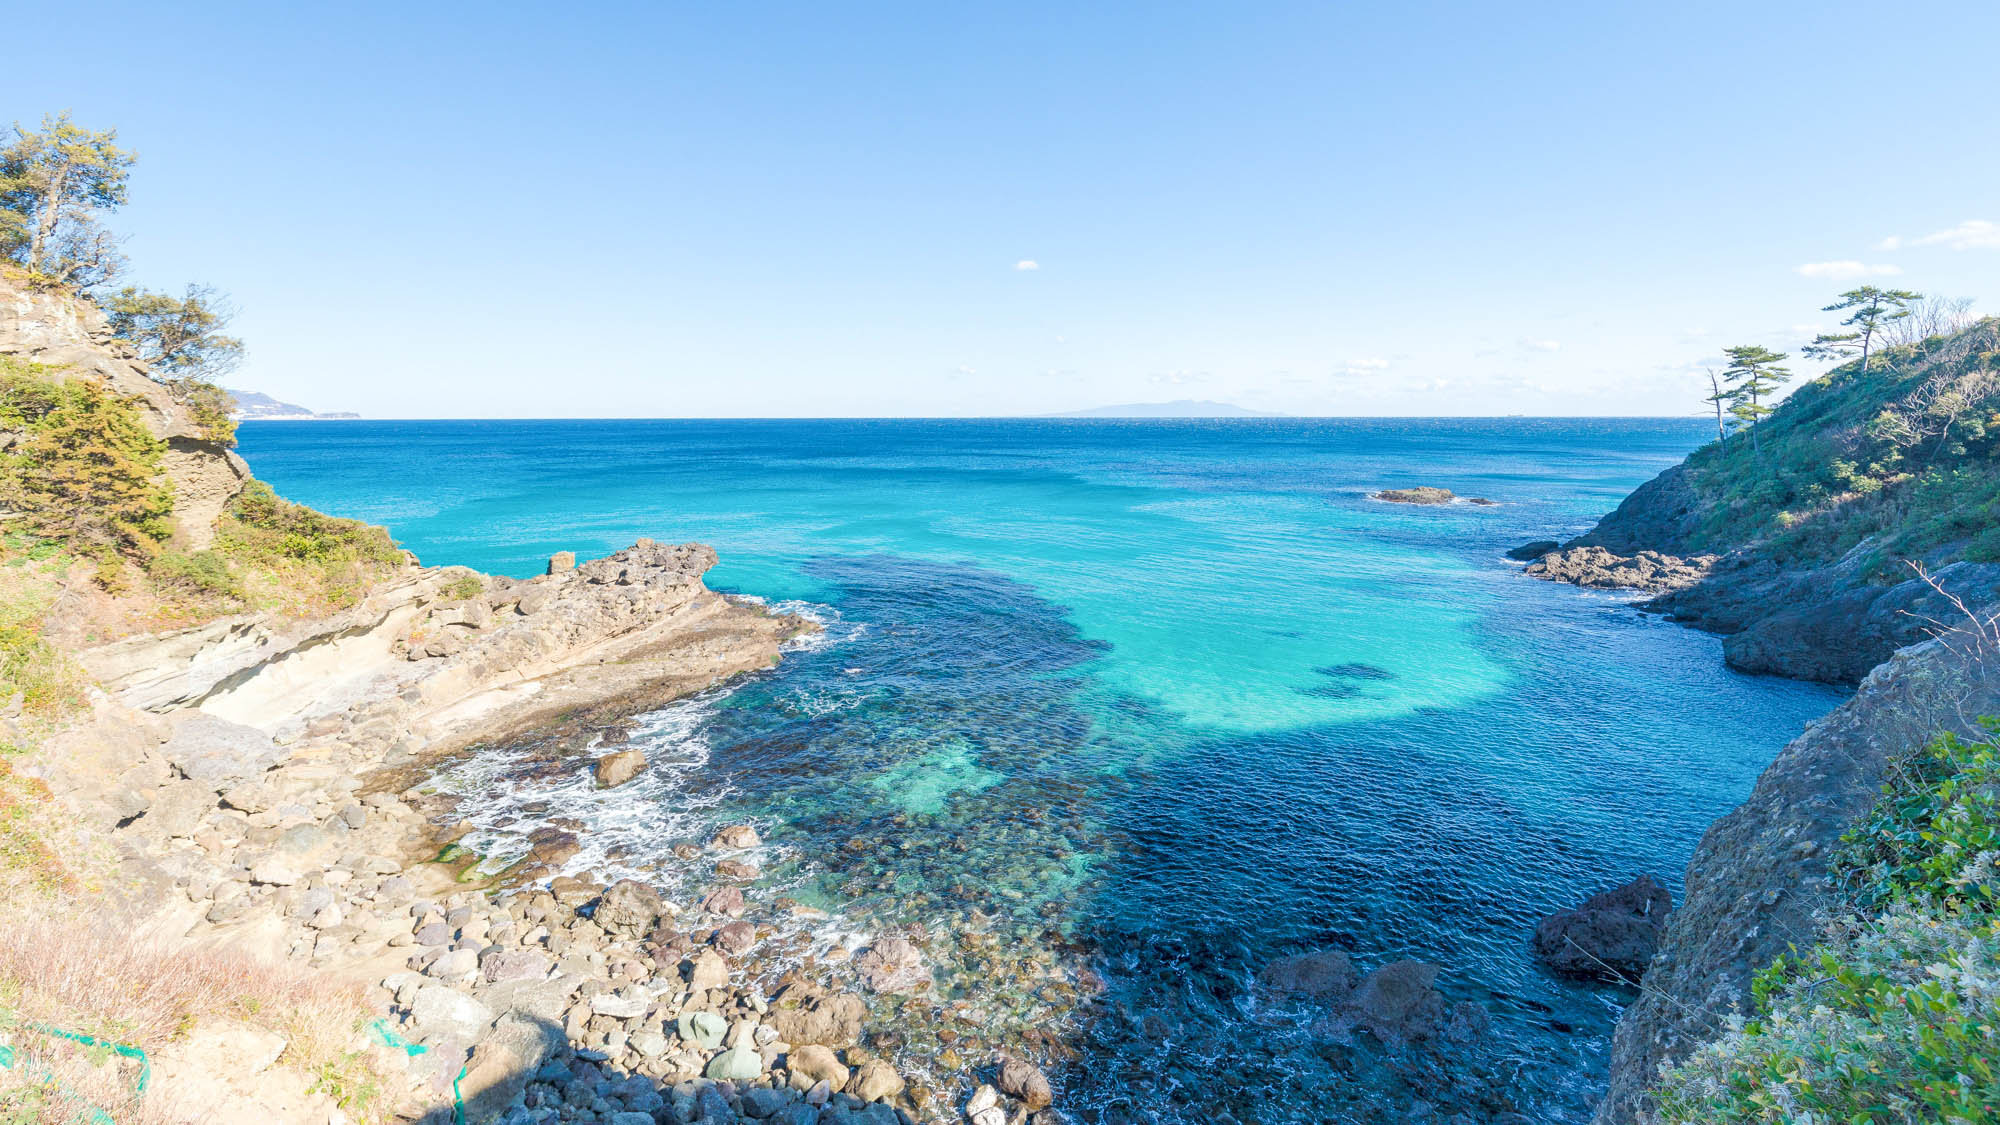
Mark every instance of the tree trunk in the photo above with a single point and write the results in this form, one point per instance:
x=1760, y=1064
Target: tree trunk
x=45, y=223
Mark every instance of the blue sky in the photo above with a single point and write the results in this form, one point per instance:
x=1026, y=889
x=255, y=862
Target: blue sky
x=763, y=209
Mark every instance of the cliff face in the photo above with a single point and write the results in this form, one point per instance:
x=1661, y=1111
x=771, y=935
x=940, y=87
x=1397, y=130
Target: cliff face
x=70, y=334
x=1756, y=879
x=1801, y=544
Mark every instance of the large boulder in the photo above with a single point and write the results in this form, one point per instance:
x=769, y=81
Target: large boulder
x=629, y=909
x=1611, y=936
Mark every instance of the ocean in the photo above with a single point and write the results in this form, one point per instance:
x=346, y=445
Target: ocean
x=1163, y=700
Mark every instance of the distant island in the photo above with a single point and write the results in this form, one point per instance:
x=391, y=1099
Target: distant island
x=1179, y=408
x=256, y=404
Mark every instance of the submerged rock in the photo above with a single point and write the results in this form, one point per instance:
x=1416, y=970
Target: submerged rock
x=892, y=964
x=1610, y=936
x=1323, y=974
x=1397, y=1003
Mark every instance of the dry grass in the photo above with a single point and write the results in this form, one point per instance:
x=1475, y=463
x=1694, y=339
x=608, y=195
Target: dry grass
x=60, y=969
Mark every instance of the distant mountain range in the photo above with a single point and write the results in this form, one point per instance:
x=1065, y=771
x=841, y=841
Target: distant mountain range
x=256, y=404
x=1179, y=408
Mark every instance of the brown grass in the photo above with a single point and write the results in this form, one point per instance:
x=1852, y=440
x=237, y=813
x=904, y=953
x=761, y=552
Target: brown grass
x=58, y=967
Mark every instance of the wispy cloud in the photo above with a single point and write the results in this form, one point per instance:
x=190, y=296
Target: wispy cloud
x=1027, y=264
x=1365, y=365
x=1535, y=345
x=964, y=370
x=1178, y=378
x=1972, y=234
x=1846, y=270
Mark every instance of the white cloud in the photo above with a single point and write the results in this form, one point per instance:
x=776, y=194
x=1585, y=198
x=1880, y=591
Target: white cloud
x=1177, y=378
x=1364, y=365
x=964, y=370
x=1535, y=345
x=1846, y=270
x=1890, y=243
x=1027, y=264
x=1972, y=234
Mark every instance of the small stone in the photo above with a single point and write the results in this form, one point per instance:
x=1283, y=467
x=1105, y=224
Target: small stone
x=709, y=971
x=1026, y=1082
x=274, y=872
x=737, y=1064
x=703, y=1029
x=562, y=561
x=875, y=1081
x=813, y=1066
x=736, y=836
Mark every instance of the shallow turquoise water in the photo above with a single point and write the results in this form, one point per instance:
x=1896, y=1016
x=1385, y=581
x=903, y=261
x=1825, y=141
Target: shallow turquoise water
x=1175, y=692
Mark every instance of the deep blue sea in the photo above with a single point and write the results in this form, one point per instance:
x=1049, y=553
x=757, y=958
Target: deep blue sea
x=1168, y=698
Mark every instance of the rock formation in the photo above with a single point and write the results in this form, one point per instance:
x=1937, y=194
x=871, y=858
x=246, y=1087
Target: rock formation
x=71, y=335
x=1755, y=879
x=1611, y=935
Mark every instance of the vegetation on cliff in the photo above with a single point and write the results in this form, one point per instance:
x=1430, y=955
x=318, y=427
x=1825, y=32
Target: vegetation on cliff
x=1893, y=1015
x=1901, y=447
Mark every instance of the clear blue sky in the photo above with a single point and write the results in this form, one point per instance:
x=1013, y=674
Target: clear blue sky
x=763, y=209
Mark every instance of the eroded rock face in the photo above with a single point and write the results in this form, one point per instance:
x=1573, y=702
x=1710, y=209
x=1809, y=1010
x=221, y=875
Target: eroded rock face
x=1610, y=936
x=1755, y=878
x=71, y=334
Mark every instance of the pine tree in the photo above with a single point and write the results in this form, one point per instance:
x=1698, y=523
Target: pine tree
x=1752, y=376
x=1873, y=309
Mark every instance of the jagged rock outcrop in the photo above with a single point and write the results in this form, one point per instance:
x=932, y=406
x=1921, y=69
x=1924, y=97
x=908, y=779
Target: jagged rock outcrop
x=1829, y=623
x=1598, y=568
x=70, y=333
x=1611, y=935
x=1755, y=879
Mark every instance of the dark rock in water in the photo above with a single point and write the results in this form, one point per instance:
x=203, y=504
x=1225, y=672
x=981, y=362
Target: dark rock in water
x=629, y=909
x=1529, y=552
x=1324, y=974
x=1481, y=501
x=1611, y=936
x=618, y=768
x=1422, y=494
x=1397, y=1003
x=1598, y=568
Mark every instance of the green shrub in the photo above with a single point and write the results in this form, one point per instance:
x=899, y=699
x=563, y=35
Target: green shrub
x=1893, y=1017
x=201, y=572
x=86, y=470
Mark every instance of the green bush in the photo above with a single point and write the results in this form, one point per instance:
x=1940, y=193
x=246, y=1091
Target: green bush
x=86, y=470
x=202, y=572
x=1894, y=1016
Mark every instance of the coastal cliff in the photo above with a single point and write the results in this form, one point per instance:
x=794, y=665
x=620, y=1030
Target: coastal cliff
x=208, y=755
x=1801, y=544
x=1853, y=539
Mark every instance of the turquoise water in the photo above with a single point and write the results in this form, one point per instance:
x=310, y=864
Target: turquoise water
x=1165, y=698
